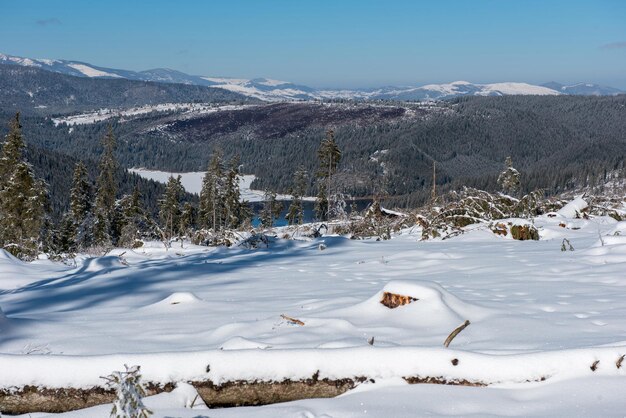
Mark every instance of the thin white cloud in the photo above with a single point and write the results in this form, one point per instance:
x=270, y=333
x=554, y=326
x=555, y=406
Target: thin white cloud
x=614, y=45
x=50, y=21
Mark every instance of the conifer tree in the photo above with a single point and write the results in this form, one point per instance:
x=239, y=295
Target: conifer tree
x=187, y=218
x=232, y=196
x=271, y=209
x=509, y=179
x=329, y=156
x=64, y=240
x=211, y=207
x=80, y=194
x=80, y=229
x=295, y=214
x=134, y=222
x=169, y=207
x=321, y=201
x=22, y=198
x=129, y=392
x=106, y=189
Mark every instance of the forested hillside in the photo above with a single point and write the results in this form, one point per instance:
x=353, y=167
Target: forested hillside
x=557, y=143
x=32, y=90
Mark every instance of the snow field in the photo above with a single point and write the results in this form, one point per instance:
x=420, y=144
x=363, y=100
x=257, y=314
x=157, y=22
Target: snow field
x=536, y=312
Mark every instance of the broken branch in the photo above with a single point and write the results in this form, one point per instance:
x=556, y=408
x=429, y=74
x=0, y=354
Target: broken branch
x=292, y=320
x=455, y=333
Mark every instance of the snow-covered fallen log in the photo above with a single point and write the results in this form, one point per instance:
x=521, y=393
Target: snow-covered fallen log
x=52, y=383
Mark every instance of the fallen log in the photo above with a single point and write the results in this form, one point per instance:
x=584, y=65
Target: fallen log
x=257, y=377
x=31, y=399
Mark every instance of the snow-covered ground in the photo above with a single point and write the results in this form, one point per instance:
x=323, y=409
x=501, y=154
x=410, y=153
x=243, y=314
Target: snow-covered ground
x=192, y=182
x=535, y=311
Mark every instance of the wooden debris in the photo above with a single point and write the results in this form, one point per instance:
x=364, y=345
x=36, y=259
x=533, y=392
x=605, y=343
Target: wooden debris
x=292, y=320
x=455, y=333
x=413, y=380
x=251, y=393
x=393, y=300
x=500, y=229
x=455, y=361
x=594, y=366
x=371, y=341
x=619, y=361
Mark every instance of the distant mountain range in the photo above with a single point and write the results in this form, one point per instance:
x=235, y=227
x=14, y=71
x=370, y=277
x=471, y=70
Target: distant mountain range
x=275, y=90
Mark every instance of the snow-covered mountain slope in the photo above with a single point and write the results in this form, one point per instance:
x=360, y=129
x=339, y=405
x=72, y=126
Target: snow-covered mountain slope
x=446, y=91
x=583, y=89
x=264, y=88
x=276, y=90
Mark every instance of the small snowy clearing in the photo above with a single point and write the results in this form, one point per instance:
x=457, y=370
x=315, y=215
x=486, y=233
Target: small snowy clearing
x=536, y=313
x=192, y=182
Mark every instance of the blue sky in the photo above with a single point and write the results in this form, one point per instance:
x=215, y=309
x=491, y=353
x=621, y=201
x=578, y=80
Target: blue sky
x=350, y=43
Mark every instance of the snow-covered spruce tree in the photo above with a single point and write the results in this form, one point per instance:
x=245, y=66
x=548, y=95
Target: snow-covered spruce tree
x=271, y=209
x=22, y=198
x=128, y=393
x=187, y=219
x=509, y=179
x=235, y=212
x=321, y=201
x=329, y=156
x=295, y=213
x=106, y=189
x=80, y=208
x=64, y=239
x=134, y=223
x=337, y=207
x=80, y=194
x=211, y=204
x=170, y=207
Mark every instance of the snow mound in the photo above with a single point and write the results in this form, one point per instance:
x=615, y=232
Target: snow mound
x=434, y=308
x=574, y=208
x=618, y=230
x=6, y=257
x=105, y=263
x=614, y=242
x=240, y=343
x=10, y=264
x=179, y=298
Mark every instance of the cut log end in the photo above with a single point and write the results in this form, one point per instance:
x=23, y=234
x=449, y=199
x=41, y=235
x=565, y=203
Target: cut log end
x=393, y=300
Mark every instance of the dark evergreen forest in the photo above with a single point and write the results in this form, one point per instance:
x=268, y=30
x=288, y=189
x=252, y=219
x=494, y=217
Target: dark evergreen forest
x=557, y=143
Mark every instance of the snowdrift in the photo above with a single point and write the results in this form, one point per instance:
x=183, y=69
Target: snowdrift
x=433, y=309
x=43, y=383
x=574, y=208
